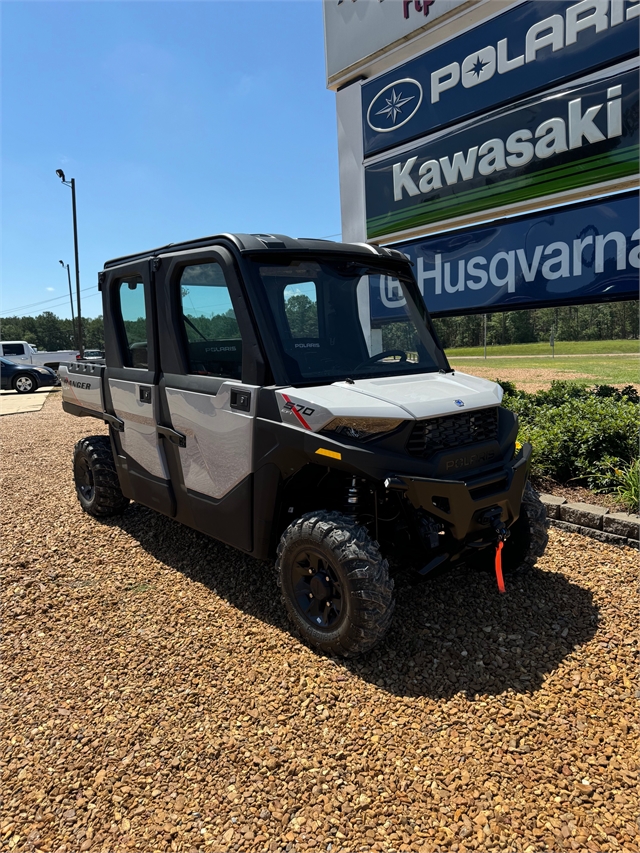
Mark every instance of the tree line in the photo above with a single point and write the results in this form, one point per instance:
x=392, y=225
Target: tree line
x=612, y=321
x=601, y=322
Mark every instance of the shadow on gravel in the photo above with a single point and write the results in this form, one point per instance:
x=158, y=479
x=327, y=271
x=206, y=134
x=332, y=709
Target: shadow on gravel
x=451, y=633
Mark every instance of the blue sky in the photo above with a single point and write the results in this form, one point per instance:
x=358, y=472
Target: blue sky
x=177, y=120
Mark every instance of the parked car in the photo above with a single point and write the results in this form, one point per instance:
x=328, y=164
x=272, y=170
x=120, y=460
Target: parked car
x=25, y=378
x=95, y=355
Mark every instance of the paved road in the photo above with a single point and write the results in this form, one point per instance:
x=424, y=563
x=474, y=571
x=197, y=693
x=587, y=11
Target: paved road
x=12, y=403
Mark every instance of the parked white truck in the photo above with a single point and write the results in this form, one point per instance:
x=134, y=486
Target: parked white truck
x=20, y=352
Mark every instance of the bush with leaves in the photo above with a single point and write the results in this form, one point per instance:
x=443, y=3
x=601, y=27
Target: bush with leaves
x=578, y=434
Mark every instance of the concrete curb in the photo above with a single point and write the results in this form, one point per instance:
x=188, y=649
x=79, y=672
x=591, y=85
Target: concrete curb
x=614, y=528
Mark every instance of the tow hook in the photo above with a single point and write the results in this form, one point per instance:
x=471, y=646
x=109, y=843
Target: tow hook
x=502, y=534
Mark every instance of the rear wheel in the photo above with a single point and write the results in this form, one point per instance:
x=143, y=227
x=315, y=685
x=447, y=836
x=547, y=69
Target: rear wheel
x=528, y=539
x=96, y=478
x=335, y=583
x=25, y=384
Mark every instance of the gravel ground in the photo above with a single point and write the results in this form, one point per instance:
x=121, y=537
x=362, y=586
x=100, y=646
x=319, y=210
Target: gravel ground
x=154, y=699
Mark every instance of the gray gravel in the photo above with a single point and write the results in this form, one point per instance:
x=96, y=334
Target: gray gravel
x=154, y=699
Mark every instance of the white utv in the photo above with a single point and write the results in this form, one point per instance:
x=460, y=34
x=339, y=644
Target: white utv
x=248, y=396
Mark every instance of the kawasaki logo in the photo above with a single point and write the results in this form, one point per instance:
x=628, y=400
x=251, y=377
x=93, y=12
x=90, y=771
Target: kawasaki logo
x=551, y=137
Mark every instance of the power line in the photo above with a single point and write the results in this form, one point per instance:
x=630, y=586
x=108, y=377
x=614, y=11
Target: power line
x=33, y=311
x=32, y=305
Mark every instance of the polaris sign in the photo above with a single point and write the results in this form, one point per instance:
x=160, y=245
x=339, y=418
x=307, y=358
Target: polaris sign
x=580, y=136
x=530, y=47
x=569, y=255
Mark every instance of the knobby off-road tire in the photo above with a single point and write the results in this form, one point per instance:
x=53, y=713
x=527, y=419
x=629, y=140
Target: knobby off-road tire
x=95, y=477
x=529, y=538
x=335, y=583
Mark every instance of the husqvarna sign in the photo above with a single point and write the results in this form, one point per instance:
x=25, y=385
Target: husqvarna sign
x=589, y=252
x=526, y=49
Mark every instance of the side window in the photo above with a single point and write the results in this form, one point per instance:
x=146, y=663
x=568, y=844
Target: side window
x=301, y=309
x=133, y=311
x=13, y=349
x=211, y=328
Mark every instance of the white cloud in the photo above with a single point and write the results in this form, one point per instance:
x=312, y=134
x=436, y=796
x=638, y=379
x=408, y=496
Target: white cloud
x=51, y=289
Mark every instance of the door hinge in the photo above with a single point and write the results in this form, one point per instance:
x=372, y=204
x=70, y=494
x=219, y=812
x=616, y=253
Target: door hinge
x=155, y=264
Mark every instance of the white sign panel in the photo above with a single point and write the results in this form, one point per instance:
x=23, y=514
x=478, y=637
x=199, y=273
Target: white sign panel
x=356, y=30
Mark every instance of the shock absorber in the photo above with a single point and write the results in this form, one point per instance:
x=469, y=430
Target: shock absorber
x=352, y=497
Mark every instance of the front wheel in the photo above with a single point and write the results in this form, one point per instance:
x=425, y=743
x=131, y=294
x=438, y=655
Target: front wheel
x=529, y=538
x=96, y=478
x=335, y=583
x=25, y=384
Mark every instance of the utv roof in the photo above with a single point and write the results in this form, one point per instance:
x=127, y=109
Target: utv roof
x=247, y=243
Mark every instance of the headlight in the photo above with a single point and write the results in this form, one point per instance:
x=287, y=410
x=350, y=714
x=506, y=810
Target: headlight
x=361, y=428
x=44, y=370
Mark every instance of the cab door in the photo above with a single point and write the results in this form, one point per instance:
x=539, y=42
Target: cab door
x=208, y=392
x=131, y=385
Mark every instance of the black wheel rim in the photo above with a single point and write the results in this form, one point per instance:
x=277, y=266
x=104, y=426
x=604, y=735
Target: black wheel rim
x=317, y=589
x=84, y=479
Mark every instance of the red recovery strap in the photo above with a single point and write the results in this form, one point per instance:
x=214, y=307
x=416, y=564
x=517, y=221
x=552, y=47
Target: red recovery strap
x=499, y=577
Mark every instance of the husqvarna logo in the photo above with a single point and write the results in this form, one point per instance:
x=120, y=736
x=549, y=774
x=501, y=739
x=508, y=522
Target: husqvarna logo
x=394, y=105
x=391, y=294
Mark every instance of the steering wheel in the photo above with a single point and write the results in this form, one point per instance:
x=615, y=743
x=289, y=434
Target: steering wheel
x=385, y=354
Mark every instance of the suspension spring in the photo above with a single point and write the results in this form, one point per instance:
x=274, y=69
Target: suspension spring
x=352, y=497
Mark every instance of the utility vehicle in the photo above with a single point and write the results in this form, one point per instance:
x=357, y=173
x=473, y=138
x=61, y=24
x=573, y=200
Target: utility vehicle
x=249, y=396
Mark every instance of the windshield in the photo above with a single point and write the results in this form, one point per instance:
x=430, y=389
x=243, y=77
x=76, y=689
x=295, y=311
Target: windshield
x=323, y=326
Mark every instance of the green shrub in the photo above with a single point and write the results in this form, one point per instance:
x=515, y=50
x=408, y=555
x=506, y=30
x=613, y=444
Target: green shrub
x=628, y=490
x=576, y=434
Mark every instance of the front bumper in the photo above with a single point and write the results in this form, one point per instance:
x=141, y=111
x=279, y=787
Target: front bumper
x=461, y=503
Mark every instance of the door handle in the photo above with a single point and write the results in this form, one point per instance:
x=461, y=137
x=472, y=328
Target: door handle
x=173, y=436
x=145, y=394
x=240, y=400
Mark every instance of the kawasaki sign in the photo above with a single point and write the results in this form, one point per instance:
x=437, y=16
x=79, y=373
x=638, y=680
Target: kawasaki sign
x=581, y=253
x=527, y=48
x=580, y=136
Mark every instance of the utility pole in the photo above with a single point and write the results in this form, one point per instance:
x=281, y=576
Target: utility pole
x=73, y=319
x=72, y=184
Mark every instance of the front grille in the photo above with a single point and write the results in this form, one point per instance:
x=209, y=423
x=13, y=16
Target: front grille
x=453, y=431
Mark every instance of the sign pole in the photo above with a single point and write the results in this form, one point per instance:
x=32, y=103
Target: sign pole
x=485, y=335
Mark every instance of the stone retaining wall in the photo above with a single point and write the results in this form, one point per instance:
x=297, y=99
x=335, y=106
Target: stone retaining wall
x=616, y=528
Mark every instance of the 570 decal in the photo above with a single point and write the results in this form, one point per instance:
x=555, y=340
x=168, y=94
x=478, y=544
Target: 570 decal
x=298, y=408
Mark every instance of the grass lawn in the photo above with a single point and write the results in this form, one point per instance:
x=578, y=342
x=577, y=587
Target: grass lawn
x=542, y=348
x=538, y=372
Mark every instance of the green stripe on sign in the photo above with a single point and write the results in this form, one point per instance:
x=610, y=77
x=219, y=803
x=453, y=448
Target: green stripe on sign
x=592, y=170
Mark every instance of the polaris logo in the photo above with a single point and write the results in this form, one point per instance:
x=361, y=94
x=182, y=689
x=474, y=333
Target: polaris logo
x=467, y=460
x=307, y=346
x=394, y=105
x=220, y=349
x=556, y=31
